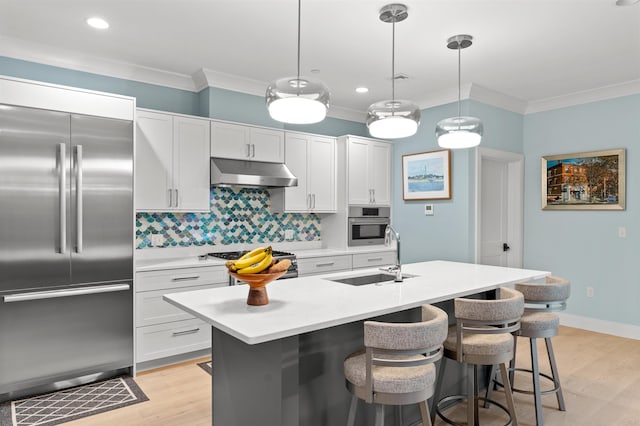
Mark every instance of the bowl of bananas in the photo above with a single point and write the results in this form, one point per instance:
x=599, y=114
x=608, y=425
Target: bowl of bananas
x=258, y=268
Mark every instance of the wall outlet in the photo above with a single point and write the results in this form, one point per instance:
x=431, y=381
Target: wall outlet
x=428, y=209
x=288, y=234
x=622, y=232
x=589, y=291
x=157, y=240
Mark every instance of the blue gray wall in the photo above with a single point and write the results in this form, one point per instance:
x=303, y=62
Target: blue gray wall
x=584, y=245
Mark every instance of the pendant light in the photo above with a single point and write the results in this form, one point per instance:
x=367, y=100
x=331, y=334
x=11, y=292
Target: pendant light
x=393, y=118
x=297, y=100
x=459, y=132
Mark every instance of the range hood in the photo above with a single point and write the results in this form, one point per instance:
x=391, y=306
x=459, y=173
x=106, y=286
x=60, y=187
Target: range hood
x=227, y=172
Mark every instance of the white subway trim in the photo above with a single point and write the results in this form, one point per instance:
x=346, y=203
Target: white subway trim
x=619, y=329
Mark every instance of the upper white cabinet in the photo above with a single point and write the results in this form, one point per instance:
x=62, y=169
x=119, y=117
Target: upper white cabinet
x=369, y=171
x=172, y=162
x=312, y=159
x=240, y=142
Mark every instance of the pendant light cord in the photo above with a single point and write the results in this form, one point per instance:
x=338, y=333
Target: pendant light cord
x=459, y=45
x=393, y=62
x=298, y=78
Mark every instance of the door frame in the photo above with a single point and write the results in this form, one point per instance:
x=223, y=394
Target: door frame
x=515, y=202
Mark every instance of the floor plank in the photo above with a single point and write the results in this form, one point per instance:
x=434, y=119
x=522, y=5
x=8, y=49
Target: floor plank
x=599, y=373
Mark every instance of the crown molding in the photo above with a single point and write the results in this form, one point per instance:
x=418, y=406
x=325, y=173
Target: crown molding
x=584, y=97
x=27, y=51
x=204, y=78
x=497, y=99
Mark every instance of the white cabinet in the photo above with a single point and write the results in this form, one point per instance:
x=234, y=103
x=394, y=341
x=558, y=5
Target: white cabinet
x=240, y=142
x=172, y=162
x=312, y=159
x=369, y=260
x=163, y=330
x=369, y=171
x=324, y=264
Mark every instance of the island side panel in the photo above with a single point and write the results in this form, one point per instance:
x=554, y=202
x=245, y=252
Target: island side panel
x=254, y=384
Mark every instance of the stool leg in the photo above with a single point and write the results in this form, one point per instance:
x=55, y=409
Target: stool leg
x=436, y=394
x=536, y=381
x=471, y=393
x=490, y=386
x=351, y=420
x=379, y=415
x=424, y=413
x=399, y=415
x=512, y=363
x=554, y=373
x=508, y=393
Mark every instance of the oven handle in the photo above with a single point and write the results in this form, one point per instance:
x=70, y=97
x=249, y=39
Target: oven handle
x=39, y=295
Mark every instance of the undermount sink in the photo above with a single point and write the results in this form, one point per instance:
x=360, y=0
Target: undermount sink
x=369, y=279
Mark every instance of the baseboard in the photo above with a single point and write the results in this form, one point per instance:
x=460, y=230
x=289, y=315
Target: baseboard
x=629, y=331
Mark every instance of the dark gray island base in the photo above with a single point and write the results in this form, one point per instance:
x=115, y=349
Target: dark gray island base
x=298, y=380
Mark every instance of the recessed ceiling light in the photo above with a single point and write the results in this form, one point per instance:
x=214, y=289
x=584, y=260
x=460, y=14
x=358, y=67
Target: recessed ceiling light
x=362, y=89
x=98, y=23
x=626, y=2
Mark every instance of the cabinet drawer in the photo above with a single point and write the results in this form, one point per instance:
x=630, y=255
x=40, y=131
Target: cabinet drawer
x=318, y=265
x=151, y=309
x=163, y=340
x=179, y=278
x=366, y=260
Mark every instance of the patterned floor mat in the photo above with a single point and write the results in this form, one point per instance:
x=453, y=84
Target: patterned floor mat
x=206, y=366
x=71, y=404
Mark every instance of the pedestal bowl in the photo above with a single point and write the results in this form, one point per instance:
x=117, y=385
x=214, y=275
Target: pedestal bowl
x=257, y=282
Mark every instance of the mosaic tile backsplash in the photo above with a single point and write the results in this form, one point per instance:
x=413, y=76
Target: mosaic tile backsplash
x=238, y=215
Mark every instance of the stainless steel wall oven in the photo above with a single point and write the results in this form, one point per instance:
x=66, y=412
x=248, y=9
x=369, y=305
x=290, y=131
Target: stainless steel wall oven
x=367, y=225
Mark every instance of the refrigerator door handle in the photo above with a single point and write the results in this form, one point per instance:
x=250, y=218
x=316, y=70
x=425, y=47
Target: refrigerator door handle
x=62, y=196
x=79, y=199
x=39, y=295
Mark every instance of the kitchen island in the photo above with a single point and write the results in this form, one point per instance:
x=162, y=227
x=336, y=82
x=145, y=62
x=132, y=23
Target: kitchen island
x=281, y=363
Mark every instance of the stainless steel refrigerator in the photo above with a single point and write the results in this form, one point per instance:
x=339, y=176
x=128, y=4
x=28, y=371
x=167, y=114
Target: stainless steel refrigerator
x=66, y=249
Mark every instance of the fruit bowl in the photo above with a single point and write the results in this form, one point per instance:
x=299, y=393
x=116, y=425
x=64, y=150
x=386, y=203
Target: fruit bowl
x=257, y=282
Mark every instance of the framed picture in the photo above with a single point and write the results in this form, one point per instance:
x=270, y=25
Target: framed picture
x=427, y=175
x=584, y=181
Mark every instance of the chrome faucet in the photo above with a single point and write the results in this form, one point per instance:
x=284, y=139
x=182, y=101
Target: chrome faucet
x=389, y=232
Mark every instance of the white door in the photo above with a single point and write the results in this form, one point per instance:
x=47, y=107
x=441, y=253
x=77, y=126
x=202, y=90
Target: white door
x=494, y=213
x=322, y=173
x=359, y=188
x=191, y=164
x=500, y=199
x=380, y=173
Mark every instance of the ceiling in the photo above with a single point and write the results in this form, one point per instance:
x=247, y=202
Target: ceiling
x=527, y=51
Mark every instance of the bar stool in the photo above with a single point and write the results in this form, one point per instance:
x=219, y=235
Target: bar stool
x=482, y=336
x=540, y=322
x=397, y=364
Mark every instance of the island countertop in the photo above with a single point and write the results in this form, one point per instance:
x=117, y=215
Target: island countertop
x=306, y=304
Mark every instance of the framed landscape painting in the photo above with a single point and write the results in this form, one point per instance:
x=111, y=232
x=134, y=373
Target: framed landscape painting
x=427, y=175
x=584, y=181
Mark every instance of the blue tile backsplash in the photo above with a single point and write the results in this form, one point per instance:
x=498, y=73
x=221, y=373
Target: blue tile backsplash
x=238, y=215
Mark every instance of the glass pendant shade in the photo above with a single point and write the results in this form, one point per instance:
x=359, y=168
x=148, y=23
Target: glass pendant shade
x=297, y=100
x=459, y=132
x=393, y=119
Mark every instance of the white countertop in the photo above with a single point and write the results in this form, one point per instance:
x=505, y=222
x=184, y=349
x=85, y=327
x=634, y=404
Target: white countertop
x=305, y=304
x=160, y=259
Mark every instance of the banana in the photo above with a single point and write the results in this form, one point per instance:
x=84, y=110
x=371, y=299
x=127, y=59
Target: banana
x=251, y=253
x=258, y=267
x=245, y=262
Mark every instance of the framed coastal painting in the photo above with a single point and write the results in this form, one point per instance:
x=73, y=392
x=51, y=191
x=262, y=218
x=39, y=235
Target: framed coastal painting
x=427, y=175
x=584, y=181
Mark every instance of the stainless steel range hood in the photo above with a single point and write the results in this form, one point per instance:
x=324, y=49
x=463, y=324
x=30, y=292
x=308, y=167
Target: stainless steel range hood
x=226, y=172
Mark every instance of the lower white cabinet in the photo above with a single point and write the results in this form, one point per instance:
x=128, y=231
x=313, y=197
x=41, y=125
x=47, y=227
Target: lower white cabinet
x=324, y=264
x=369, y=260
x=162, y=330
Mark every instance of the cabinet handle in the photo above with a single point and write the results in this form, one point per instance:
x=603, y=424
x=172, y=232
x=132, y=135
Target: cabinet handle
x=190, y=278
x=177, y=202
x=253, y=150
x=319, y=265
x=374, y=259
x=79, y=227
x=170, y=198
x=373, y=191
x=182, y=333
x=371, y=195
x=309, y=201
x=248, y=150
x=314, y=201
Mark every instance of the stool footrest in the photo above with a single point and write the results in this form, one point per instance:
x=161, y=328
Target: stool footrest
x=530, y=392
x=460, y=398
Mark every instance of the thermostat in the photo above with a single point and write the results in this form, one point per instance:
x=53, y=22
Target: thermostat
x=428, y=209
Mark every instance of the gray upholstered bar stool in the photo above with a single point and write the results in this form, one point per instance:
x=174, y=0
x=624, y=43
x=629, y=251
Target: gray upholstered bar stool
x=540, y=322
x=482, y=336
x=397, y=365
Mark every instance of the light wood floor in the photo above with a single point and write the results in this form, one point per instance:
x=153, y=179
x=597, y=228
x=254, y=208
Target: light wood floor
x=600, y=378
